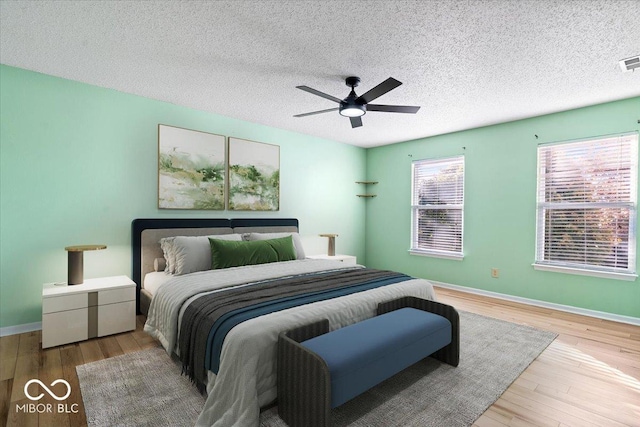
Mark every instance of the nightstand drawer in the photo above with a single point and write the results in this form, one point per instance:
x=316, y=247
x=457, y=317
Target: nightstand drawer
x=65, y=327
x=117, y=295
x=64, y=303
x=116, y=318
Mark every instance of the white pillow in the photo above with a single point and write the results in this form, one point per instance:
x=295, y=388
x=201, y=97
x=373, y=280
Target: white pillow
x=297, y=243
x=166, y=244
x=193, y=253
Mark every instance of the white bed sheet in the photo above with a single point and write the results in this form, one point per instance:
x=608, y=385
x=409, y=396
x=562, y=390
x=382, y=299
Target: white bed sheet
x=153, y=280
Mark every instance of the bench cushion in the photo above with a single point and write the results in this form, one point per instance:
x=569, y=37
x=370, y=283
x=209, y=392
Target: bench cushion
x=364, y=354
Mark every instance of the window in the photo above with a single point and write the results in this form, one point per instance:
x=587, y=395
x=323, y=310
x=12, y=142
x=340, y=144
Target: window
x=587, y=211
x=437, y=207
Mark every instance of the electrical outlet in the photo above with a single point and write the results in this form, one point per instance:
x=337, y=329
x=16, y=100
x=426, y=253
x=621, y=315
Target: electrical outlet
x=495, y=273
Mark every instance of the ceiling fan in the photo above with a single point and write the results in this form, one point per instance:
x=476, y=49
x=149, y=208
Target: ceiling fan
x=354, y=106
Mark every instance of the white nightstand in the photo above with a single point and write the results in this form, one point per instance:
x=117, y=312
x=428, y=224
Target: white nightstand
x=347, y=259
x=96, y=308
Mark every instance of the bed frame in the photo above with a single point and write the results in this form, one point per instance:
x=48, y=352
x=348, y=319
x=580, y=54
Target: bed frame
x=146, y=235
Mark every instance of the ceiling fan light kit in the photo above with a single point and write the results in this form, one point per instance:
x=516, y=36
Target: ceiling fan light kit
x=352, y=110
x=354, y=106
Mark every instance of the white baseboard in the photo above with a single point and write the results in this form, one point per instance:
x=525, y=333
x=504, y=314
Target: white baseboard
x=570, y=309
x=20, y=329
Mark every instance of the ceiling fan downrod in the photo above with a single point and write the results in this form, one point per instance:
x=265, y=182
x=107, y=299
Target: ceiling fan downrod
x=350, y=107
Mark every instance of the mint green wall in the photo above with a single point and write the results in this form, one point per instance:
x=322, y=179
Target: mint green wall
x=500, y=208
x=78, y=163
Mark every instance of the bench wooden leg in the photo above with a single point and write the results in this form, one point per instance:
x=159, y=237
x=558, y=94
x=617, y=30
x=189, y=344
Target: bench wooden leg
x=304, y=383
x=449, y=354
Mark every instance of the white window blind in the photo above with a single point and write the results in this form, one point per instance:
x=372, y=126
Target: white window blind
x=437, y=207
x=587, y=204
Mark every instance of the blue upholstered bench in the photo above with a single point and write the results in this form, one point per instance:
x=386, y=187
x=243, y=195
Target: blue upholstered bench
x=319, y=370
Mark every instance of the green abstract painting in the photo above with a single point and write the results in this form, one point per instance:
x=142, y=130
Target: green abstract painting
x=254, y=176
x=191, y=169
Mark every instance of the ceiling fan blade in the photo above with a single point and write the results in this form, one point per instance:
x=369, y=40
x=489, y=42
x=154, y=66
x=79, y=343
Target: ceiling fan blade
x=393, y=108
x=317, y=92
x=316, y=112
x=356, y=122
x=379, y=90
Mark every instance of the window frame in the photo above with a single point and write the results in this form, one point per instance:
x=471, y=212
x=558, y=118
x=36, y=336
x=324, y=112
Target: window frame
x=415, y=208
x=630, y=273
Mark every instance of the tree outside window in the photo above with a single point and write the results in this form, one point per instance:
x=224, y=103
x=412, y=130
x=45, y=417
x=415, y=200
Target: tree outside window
x=437, y=207
x=587, y=211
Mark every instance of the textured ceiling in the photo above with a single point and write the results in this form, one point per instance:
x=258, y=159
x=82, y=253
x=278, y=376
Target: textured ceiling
x=467, y=63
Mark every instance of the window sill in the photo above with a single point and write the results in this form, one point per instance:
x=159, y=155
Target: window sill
x=594, y=273
x=434, y=254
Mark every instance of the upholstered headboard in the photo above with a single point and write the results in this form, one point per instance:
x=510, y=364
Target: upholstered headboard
x=146, y=235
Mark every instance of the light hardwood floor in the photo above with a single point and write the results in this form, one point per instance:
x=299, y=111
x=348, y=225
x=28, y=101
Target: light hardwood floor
x=589, y=376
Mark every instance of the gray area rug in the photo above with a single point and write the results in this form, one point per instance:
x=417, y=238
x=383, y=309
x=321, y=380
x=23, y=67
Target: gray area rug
x=145, y=388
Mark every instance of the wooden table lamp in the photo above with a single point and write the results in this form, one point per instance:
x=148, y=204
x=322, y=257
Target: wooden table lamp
x=332, y=243
x=76, y=262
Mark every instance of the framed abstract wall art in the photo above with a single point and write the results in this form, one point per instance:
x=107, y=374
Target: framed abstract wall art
x=191, y=169
x=254, y=176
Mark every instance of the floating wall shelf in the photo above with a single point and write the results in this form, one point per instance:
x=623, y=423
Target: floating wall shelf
x=366, y=183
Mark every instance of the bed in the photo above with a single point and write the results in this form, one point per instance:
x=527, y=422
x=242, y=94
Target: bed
x=223, y=323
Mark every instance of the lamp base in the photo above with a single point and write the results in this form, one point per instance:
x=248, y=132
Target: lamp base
x=332, y=247
x=75, y=268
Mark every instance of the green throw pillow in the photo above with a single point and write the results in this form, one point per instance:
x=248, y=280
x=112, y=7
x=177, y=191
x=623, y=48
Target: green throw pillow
x=226, y=253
